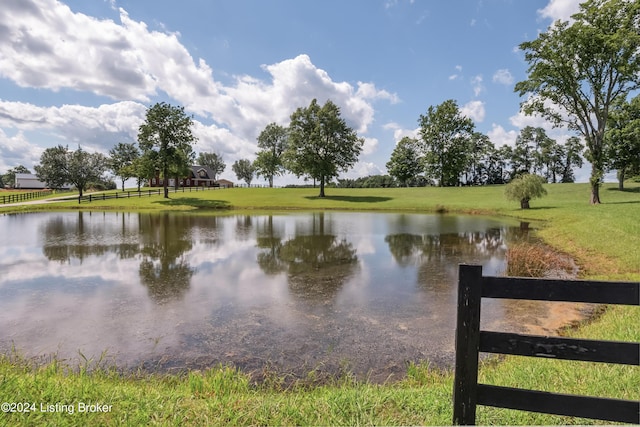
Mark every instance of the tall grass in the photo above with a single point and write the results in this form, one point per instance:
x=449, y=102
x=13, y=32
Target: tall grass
x=536, y=260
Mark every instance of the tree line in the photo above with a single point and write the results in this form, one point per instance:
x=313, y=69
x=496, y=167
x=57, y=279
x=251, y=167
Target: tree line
x=450, y=152
x=317, y=144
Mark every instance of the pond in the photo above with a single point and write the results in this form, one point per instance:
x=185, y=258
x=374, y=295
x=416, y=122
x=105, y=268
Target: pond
x=293, y=293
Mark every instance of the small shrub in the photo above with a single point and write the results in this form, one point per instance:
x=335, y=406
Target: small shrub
x=524, y=188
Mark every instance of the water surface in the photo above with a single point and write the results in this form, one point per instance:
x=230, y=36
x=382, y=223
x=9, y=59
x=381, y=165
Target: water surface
x=364, y=292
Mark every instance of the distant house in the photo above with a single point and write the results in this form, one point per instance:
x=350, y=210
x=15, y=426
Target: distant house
x=199, y=176
x=225, y=183
x=28, y=181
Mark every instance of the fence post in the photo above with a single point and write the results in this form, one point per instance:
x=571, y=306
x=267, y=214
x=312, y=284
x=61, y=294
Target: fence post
x=465, y=384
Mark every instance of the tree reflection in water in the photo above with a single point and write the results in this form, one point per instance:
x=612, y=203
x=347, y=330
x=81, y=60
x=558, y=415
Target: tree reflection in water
x=164, y=269
x=316, y=262
x=296, y=288
x=64, y=239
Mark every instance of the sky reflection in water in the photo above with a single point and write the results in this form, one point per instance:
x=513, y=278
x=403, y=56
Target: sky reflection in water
x=364, y=291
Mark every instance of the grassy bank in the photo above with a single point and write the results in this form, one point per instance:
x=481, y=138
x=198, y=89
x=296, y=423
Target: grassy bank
x=603, y=239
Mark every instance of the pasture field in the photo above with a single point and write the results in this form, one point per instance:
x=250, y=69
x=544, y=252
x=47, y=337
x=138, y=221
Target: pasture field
x=604, y=240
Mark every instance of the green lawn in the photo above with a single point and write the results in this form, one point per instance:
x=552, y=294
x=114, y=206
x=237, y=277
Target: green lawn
x=604, y=239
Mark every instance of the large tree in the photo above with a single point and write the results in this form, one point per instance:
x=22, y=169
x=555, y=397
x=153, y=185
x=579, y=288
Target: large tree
x=623, y=139
x=446, y=139
x=167, y=132
x=405, y=164
x=120, y=160
x=143, y=167
x=273, y=142
x=244, y=170
x=84, y=168
x=320, y=143
x=52, y=169
x=213, y=161
x=577, y=69
x=59, y=166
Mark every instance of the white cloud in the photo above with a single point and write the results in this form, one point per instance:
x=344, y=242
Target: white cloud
x=17, y=150
x=478, y=87
x=363, y=169
x=97, y=127
x=392, y=3
x=499, y=136
x=46, y=45
x=399, y=132
x=560, y=9
x=370, y=146
x=503, y=76
x=295, y=82
x=369, y=91
x=521, y=120
x=212, y=138
x=474, y=110
x=456, y=75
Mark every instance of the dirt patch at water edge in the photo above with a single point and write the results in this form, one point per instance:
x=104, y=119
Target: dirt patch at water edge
x=558, y=315
x=549, y=264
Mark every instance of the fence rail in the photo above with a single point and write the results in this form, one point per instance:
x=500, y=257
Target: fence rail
x=239, y=185
x=470, y=341
x=21, y=197
x=133, y=194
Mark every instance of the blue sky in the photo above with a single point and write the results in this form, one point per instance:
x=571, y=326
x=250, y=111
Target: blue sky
x=83, y=72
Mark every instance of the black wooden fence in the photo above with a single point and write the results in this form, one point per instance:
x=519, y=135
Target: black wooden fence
x=21, y=197
x=129, y=194
x=470, y=340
